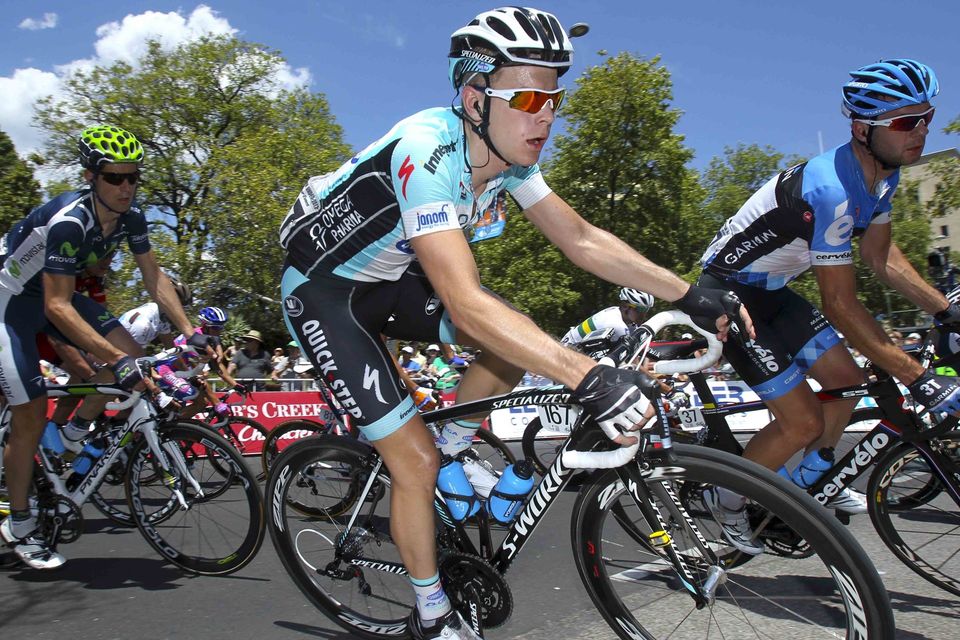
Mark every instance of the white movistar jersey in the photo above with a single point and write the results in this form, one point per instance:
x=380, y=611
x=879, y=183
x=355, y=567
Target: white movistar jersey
x=609, y=318
x=145, y=323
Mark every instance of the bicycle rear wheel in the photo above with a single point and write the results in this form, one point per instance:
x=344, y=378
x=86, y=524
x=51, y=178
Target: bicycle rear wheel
x=217, y=533
x=834, y=593
x=245, y=434
x=356, y=580
x=914, y=513
x=285, y=433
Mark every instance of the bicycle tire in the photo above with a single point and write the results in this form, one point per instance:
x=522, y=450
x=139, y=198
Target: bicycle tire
x=914, y=516
x=327, y=472
x=639, y=595
x=234, y=520
x=272, y=446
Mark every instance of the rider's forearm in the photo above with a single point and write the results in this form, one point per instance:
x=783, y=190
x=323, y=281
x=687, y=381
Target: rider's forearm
x=515, y=338
x=898, y=273
x=863, y=332
x=611, y=259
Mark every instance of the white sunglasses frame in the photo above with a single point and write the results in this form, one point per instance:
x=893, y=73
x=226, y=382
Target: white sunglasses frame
x=889, y=121
x=507, y=95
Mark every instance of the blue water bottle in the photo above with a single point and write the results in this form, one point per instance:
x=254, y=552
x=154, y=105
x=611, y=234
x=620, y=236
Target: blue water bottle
x=84, y=461
x=510, y=492
x=461, y=499
x=814, y=465
x=50, y=440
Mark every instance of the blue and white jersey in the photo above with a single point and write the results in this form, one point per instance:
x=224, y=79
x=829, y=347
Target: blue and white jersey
x=63, y=236
x=804, y=217
x=357, y=222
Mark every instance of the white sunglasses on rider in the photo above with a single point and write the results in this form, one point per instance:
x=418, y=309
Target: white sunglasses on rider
x=904, y=123
x=526, y=99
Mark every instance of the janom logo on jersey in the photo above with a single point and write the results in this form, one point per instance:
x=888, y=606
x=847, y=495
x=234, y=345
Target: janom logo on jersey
x=433, y=219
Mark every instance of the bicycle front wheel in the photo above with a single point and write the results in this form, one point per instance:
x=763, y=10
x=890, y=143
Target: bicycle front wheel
x=354, y=576
x=213, y=533
x=914, y=514
x=833, y=593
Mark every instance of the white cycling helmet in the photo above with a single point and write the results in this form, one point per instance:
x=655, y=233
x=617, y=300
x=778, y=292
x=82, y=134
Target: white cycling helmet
x=509, y=35
x=639, y=299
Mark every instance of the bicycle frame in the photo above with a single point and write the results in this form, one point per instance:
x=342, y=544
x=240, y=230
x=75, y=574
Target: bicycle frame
x=896, y=426
x=542, y=496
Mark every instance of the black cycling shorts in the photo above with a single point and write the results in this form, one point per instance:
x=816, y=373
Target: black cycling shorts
x=339, y=322
x=791, y=335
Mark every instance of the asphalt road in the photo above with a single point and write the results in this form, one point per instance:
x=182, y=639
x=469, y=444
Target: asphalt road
x=115, y=586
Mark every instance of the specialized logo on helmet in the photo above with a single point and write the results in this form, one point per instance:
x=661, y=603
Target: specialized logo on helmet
x=292, y=306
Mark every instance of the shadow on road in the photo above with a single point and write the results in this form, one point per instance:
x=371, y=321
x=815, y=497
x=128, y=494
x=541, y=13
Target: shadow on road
x=316, y=632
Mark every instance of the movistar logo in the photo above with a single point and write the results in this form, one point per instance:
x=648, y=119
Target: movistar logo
x=67, y=249
x=14, y=269
x=103, y=317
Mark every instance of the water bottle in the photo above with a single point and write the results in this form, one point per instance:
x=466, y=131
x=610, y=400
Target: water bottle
x=510, y=492
x=785, y=473
x=814, y=465
x=50, y=440
x=84, y=461
x=461, y=499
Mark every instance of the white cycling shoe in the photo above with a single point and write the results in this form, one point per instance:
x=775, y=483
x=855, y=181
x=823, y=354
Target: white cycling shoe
x=32, y=550
x=449, y=627
x=849, y=501
x=734, y=524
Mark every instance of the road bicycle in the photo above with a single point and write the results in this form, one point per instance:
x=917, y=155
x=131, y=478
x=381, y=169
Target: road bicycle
x=200, y=518
x=911, y=459
x=648, y=551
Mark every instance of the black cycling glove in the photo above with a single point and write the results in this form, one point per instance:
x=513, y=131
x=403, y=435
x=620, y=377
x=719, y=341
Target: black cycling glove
x=937, y=393
x=614, y=397
x=199, y=342
x=950, y=315
x=127, y=373
x=705, y=306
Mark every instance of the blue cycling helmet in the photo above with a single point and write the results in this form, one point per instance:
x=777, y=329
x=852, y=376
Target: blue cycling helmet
x=888, y=85
x=213, y=316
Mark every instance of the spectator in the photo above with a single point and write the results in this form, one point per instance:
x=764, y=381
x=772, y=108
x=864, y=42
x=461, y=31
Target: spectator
x=251, y=364
x=233, y=348
x=913, y=338
x=284, y=368
x=277, y=357
x=407, y=361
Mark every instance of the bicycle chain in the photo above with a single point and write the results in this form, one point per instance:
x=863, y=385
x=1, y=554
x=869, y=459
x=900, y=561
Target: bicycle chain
x=60, y=520
x=458, y=570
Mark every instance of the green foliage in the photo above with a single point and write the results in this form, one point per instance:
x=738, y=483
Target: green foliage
x=226, y=152
x=19, y=190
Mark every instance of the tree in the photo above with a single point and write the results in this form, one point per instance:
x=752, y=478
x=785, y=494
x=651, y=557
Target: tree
x=194, y=109
x=19, y=190
x=620, y=165
x=947, y=195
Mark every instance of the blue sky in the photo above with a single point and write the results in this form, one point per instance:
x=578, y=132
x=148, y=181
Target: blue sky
x=743, y=71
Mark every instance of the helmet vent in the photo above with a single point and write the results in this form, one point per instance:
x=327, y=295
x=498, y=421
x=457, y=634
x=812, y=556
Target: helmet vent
x=501, y=28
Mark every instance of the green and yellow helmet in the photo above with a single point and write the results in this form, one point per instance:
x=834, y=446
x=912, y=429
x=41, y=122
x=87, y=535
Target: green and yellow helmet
x=103, y=144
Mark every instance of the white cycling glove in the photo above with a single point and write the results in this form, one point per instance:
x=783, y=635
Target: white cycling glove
x=616, y=398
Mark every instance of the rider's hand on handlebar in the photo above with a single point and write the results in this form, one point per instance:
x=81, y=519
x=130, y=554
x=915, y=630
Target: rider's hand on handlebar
x=615, y=399
x=199, y=341
x=423, y=398
x=949, y=316
x=241, y=389
x=936, y=393
x=127, y=373
x=717, y=310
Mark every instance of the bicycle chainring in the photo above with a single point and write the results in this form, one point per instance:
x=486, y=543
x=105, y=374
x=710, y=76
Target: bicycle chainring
x=60, y=520
x=460, y=570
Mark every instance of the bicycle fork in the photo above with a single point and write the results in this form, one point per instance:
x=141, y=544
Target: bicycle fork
x=172, y=465
x=661, y=542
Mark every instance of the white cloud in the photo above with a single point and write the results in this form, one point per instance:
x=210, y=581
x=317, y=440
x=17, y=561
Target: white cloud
x=123, y=40
x=48, y=21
